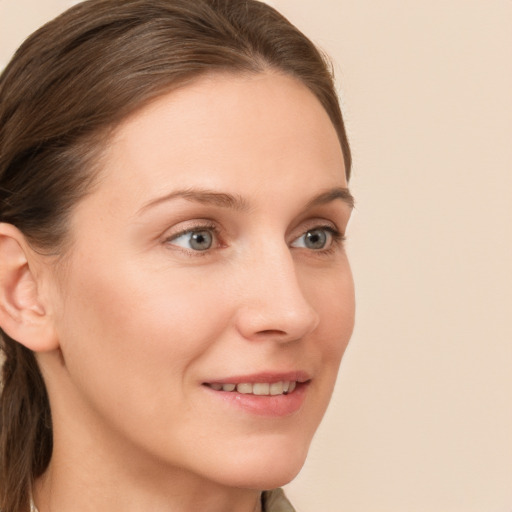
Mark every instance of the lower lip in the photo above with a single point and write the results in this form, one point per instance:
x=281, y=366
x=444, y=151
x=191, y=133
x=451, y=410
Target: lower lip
x=265, y=405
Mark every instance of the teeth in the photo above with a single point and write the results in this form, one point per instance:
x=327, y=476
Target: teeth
x=258, y=388
x=244, y=388
x=261, y=389
x=276, y=388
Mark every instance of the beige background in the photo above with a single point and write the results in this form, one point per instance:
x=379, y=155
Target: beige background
x=422, y=417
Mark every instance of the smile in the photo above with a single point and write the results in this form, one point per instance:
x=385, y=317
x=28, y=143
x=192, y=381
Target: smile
x=270, y=394
x=257, y=388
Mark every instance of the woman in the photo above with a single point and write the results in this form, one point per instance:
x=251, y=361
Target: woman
x=175, y=298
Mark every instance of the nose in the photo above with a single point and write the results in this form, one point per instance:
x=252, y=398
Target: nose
x=272, y=303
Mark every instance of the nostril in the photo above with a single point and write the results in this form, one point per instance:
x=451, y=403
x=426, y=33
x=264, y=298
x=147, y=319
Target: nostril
x=280, y=312
x=271, y=332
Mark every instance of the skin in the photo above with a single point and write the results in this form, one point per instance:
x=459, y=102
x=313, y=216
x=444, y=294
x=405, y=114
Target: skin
x=140, y=320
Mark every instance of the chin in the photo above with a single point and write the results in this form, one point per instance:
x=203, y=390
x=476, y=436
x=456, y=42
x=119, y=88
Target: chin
x=265, y=469
x=264, y=478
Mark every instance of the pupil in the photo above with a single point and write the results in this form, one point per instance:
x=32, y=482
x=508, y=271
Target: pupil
x=201, y=240
x=316, y=239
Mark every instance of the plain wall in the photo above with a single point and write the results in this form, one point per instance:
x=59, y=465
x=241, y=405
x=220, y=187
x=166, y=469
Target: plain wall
x=421, y=419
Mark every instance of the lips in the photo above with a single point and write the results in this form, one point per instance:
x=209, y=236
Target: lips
x=267, y=394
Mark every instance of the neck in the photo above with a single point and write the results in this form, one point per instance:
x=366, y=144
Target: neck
x=100, y=475
x=60, y=490
x=95, y=468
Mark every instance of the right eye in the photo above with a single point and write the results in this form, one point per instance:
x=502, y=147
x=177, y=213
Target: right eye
x=197, y=239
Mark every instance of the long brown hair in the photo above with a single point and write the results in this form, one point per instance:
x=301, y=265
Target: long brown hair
x=70, y=83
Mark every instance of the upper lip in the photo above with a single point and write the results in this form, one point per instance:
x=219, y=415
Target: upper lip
x=298, y=375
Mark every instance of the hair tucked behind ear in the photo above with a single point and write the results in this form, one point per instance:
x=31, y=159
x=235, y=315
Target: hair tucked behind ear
x=67, y=86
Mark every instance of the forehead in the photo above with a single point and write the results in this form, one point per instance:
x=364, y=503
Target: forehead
x=226, y=130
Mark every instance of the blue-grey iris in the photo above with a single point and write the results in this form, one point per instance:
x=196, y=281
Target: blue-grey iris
x=201, y=240
x=315, y=239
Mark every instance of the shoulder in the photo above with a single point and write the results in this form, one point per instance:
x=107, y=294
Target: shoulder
x=276, y=501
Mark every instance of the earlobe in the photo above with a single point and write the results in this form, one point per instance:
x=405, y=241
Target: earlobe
x=23, y=315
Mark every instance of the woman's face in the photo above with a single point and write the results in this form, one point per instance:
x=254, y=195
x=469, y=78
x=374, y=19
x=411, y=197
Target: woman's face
x=207, y=277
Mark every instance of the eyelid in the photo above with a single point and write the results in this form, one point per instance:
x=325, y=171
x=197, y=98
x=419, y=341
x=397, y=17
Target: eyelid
x=193, y=226
x=337, y=236
x=186, y=227
x=315, y=223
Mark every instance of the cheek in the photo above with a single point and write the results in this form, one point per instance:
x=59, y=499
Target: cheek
x=334, y=300
x=142, y=334
x=332, y=296
x=135, y=329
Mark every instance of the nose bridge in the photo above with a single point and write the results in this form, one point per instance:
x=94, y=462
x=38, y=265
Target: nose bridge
x=273, y=302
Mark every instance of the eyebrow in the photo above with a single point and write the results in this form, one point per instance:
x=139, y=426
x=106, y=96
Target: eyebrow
x=342, y=193
x=203, y=196
x=238, y=203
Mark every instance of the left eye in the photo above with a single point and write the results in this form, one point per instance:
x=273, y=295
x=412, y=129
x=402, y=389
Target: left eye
x=315, y=239
x=196, y=240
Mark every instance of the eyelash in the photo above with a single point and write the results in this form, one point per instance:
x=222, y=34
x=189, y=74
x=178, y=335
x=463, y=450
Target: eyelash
x=337, y=239
x=193, y=229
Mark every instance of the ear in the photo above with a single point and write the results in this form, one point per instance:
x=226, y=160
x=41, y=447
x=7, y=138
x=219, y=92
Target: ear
x=23, y=315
